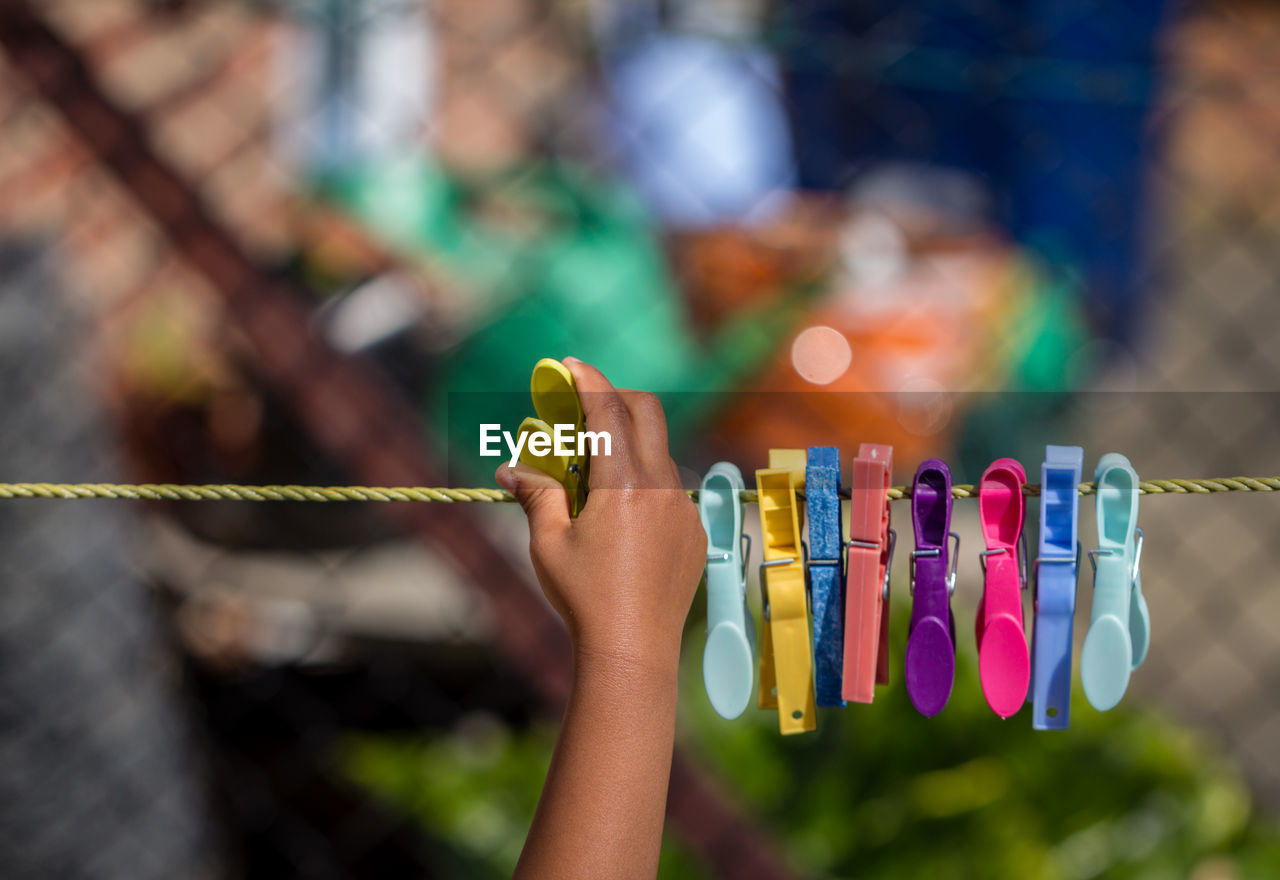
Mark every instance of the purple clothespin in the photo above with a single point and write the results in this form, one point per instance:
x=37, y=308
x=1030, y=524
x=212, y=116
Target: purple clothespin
x=931, y=646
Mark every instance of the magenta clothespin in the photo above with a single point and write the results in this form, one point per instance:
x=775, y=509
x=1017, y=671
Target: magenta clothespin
x=931, y=645
x=1004, y=663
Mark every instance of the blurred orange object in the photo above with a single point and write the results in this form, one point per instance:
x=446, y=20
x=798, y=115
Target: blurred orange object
x=890, y=362
x=729, y=269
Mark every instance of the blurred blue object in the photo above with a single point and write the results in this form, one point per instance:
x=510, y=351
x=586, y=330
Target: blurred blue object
x=702, y=129
x=1044, y=101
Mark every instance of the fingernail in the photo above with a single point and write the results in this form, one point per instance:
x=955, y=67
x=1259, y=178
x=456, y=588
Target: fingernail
x=570, y=360
x=506, y=478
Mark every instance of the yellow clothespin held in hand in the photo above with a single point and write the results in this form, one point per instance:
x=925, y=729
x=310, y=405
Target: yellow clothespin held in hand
x=786, y=657
x=555, y=400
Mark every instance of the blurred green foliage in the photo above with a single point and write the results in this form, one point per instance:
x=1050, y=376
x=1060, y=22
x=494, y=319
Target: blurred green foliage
x=881, y=792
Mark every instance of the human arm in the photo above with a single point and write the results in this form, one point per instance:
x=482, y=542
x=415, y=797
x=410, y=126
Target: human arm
x=622, y=575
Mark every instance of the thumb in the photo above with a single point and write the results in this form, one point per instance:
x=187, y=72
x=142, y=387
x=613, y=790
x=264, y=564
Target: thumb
x=545, y=501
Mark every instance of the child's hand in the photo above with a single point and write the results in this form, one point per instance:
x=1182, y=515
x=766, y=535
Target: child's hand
x=624, y=572
x=622, y=575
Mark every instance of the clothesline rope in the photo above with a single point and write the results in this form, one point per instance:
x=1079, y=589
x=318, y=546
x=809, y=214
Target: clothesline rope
x=232, y=492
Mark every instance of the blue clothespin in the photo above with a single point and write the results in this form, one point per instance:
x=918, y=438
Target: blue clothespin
x=1117, y=639
x=826, y=598
x=1057, y=569
x=728, y=661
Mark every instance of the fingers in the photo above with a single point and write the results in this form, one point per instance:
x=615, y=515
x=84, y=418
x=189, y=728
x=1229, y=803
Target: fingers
x=605, y=410
x=649, y=427
x=545, y=501
x=638, y=427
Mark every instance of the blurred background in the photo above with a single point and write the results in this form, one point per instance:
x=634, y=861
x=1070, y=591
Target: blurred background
x=296, y=241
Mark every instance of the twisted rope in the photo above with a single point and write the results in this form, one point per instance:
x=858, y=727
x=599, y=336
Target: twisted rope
x=227, y=492
x=231, y=492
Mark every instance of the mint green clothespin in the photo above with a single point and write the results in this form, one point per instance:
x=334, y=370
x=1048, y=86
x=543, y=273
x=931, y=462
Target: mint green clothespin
x=1139, y=615
x=1119, y=628
x=728, y=662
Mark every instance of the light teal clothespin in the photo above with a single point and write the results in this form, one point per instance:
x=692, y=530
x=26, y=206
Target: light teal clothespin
x=728, y=662
x=1119, y=628
x=1139, y=615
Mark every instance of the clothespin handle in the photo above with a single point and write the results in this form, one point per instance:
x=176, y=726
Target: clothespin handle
x=1139, y=615
x=786, y=657
x=930, y=657
x=556, y=401
x=728, y=660
x=1004, y=661
x=1056, y=571
x=1107, y=658
x=822, y=501
x=866, y=642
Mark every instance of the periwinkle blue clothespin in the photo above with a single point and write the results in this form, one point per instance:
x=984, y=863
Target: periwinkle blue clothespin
x=728, y=661
x=1057, y=570
x=1118, y=628
x=822, y=497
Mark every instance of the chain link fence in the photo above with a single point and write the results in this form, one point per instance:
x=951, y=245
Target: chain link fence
x=264, y=243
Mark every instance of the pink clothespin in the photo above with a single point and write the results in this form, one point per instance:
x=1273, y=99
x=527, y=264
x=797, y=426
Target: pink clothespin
x=871, y=540
x=1004, y=662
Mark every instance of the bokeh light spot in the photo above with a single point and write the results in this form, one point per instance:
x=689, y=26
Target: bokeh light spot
x=821, y=355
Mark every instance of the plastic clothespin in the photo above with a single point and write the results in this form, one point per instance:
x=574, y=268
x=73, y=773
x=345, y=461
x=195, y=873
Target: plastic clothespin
x=1056, y=570
x=1115, y=632
x=822, y=500
x=555, y=400
x=1004, y=663
x=786, y=659
x=871, y=540
x=728, y=661
x=931, y=653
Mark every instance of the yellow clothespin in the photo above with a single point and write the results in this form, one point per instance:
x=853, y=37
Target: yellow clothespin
x=555, y=400
x=786, y=658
